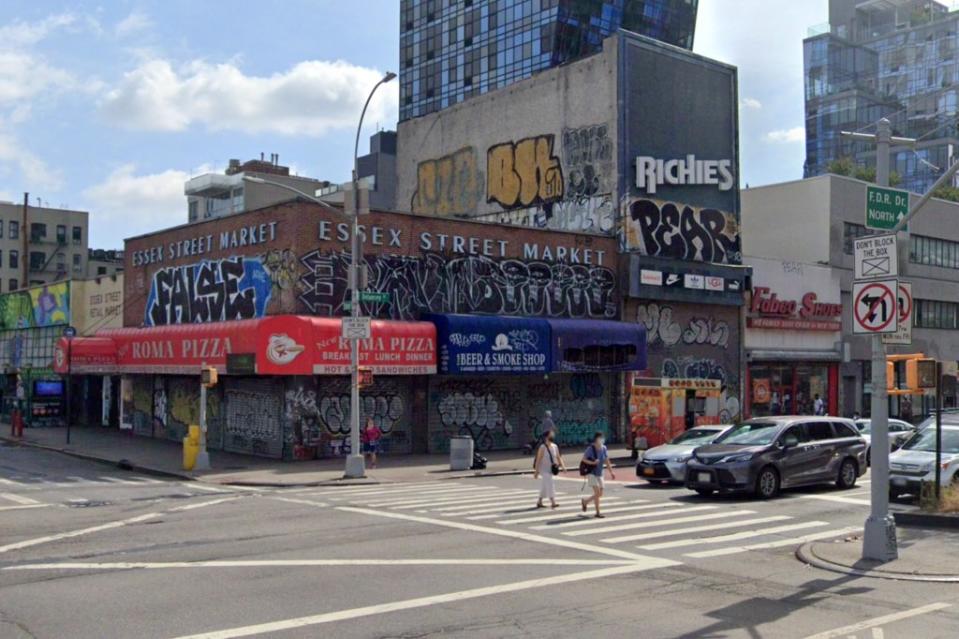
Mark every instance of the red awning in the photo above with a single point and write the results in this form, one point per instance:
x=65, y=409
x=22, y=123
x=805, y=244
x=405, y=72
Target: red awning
x=85, y=354
x=281, y=344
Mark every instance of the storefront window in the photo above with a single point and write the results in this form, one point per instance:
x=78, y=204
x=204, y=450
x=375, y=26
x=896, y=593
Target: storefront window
x=787, y=389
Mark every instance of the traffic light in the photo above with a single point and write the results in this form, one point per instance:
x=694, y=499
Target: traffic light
x=890, y=375
x=365, y=377
x=208, y=376
x=920, y=373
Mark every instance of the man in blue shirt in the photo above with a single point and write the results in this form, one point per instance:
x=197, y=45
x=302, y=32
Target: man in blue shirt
x=597, y=457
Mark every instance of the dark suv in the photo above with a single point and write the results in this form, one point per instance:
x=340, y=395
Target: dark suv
x=765, y=454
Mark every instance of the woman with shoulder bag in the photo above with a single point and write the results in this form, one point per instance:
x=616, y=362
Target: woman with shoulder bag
x=593, y=466
x=548, y=462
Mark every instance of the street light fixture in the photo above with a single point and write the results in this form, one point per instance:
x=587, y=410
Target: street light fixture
x=355, y=464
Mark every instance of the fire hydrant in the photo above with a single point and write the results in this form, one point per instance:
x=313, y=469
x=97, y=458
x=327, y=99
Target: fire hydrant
x=191, y=447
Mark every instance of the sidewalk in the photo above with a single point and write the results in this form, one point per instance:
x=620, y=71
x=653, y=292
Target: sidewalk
x=924, y=555
x=162, y=457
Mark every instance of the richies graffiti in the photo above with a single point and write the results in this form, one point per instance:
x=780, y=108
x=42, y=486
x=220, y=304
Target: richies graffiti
x=665, y=229
x=450, y=184
x=464, y=284
x=210, y=291
x=523, y=173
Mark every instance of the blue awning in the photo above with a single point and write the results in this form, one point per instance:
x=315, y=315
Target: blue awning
x=470, y=344
x=597, y=345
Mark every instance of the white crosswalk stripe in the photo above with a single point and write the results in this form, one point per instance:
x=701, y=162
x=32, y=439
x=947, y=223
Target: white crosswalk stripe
x=696, y=529
x=779, y=543
x=577, y=518
x=499, y=513
x=502, y=502
x=685, y=519
x=421, y=496
x=74, y=481
x=734, y=537
x=445, y=498
x=603, y=525
x=472, y=499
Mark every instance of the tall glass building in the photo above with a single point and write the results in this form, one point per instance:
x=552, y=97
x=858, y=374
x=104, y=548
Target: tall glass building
x=884, y=58
x=451, y=50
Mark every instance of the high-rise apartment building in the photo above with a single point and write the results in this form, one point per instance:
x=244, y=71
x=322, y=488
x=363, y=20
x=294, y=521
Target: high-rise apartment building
x=41, y=244
x=451, y=50
x=884, y=58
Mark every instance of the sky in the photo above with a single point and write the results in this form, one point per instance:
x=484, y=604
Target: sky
x=110, y=106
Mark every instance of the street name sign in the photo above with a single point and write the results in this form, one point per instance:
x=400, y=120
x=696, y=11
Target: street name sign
x=885, y=207
x=875, y=308
x=876, y=257
x=356, y=328
x=904, y=334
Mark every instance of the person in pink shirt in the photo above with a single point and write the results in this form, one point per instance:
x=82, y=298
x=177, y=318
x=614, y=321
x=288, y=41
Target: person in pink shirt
x=370, y=438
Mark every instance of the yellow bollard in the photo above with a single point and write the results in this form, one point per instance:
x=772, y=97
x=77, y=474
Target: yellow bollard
x=191, y=448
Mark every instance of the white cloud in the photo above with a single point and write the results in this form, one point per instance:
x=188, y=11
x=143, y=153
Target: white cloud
x=795, y=134
x=23, y=76
x=310, y=98
x=20, y=34
x=126, y=204
x=751, y=103
x=136, y=21
x=34, y=171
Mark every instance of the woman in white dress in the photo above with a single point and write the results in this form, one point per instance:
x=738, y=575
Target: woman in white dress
x=548, y=462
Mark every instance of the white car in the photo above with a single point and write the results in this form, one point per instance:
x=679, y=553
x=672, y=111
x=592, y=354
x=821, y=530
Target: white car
x=915, y=462
x=899, y=433
x=667, y=463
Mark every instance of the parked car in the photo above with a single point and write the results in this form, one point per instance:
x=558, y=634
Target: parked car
x=766, y=454
x=899, y=433
x=667, y=463
x=915, y=462
x=947, y=413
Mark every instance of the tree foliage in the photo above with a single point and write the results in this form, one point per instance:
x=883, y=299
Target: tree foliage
x=845, y=166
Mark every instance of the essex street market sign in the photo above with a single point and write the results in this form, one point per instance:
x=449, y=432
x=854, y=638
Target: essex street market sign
x=885, y=207
x=875, y=307
x=876, y=257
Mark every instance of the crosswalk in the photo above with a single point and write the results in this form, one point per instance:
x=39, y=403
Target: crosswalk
x=28, y=482
x=675, y=528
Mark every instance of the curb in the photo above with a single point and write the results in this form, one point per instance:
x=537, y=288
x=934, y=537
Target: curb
x=807, y=555
x=146, y=470
x=926, y=520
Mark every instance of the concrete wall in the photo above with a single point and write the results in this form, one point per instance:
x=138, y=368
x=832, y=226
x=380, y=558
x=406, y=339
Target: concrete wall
x=788, y=221
x=544, y=147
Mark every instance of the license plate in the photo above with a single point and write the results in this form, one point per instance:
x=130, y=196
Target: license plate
x=897, y=481
x=648, y=471
x=704, y=478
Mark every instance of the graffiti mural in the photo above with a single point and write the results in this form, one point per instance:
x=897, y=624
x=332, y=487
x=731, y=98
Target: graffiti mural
x=46, y=305
x=665, y=229
x=450, y=184
x=489, y=411
x=523, y=173
x=281, y=266
x=253, y=422
x=209, y=291
x=462, y=284
x=580, y=405
x=708, y=338
x=320, y=414
x=587, y=214
x=160, y=411
x=588, y=160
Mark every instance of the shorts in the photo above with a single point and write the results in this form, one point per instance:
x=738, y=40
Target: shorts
x=371, y=448
x=594, y=481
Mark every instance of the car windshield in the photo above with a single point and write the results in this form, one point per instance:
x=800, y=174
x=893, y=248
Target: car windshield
x=926, y=441
x=696, y=435
x=864, y=427
x=750, y=434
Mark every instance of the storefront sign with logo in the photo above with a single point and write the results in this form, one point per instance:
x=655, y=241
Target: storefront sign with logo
x=493, y=345
x=767, y=310
x=653, y=172
x=649, y=277
x=696, y=282
x=200, y=245
x=762, y=393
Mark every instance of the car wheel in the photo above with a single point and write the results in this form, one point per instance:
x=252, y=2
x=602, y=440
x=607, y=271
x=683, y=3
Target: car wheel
x=704, y=492
x=868, y=457
x=767, y=483
x=847, y=474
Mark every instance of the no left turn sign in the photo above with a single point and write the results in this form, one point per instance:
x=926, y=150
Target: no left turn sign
x=875, y=307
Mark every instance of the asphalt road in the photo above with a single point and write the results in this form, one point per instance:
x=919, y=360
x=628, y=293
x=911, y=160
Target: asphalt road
x=90, y=551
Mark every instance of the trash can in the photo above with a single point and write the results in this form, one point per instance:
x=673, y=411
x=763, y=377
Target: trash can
x=461, y=452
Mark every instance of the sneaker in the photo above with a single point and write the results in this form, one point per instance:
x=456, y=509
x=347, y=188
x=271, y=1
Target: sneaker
x=540, y=505
x=599, y=516
x=554, y=506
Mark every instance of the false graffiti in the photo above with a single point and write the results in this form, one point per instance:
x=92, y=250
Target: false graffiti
x=665, y=229
x=450, y=184
x=462, y=284
x=210, y=291
x=523, y=173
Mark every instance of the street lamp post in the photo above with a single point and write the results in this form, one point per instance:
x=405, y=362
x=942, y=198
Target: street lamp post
x=355, y=466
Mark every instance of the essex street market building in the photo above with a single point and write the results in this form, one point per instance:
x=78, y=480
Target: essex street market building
x=259, y=295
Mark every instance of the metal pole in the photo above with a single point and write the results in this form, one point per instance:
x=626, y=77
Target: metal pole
x=202, y=456
x=355, y=464
x=879, y=538
x=938, y=430
x=69, y=380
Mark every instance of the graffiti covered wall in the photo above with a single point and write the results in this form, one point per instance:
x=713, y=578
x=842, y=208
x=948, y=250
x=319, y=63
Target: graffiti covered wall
x=690, y=341
x=500, y=414
x=447, y=185
x=46, y=305
x=665, y=229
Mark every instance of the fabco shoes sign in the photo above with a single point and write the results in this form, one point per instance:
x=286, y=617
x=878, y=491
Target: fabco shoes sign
x=653, y=172
x=808, y=314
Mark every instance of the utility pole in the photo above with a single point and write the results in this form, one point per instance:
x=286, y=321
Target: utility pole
x=879, y=540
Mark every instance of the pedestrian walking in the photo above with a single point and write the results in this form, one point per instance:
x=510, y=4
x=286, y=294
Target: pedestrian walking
x=819, y=406
x=370, y=438
x=548, y=424
x=548, y=462
x=593, y=466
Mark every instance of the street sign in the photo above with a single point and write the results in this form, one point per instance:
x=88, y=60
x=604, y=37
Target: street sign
x=375, y=297
x=904, y=334
x=356, y=328
x=874, y=307
x=876, y=257
x=885, y=207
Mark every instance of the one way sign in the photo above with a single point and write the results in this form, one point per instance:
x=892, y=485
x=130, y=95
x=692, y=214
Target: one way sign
x=875, y=307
